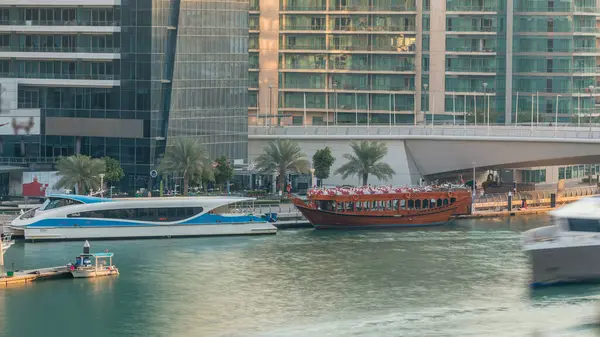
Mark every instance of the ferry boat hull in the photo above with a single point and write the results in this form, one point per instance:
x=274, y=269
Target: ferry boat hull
x=87, y=273
x=368, y=207
x=80, y=217
x=148, y=231
x=322, y=219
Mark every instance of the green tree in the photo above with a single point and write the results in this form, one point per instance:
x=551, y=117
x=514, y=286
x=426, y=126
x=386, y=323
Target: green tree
x=282, y=156
x=322, y=161
x=223, y=172
x=187, y=157
x=79, y=170
x=114, y=172
x=366, y=159
x=207, y=176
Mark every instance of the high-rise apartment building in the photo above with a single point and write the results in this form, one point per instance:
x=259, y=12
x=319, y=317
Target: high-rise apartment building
x=120, y=78
x=409, y=61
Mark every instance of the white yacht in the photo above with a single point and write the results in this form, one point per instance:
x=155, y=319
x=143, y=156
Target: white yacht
x=568, y=251
x=68, y=217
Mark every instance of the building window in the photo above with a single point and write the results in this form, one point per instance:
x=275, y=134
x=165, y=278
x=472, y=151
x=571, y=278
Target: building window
x=29, y=99
x=297, y=120
x=533, y=176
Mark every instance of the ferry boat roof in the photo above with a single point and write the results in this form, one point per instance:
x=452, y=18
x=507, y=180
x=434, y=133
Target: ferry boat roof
x=92, y=200
x=586, y=208
x=80, y=198
x=103, y=254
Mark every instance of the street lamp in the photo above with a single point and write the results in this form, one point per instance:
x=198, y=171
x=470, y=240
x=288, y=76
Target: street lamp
x=270, y=102
x=473, y=188
x=426, y=86
x=591, y=87
x=102, y=185
x=488, y=103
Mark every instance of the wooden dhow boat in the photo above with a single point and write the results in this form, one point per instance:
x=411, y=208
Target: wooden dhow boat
x=384, y=206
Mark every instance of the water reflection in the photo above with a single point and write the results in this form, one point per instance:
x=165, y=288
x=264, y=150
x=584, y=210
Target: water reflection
x=466, y=279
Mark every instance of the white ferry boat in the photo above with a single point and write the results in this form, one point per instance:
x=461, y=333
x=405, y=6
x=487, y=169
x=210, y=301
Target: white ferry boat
x=568, y=250
x=70, y=217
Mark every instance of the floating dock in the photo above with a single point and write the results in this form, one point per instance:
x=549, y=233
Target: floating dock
x=29, y=276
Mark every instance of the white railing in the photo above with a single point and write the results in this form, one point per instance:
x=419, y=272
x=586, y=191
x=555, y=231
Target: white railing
x=510, y=131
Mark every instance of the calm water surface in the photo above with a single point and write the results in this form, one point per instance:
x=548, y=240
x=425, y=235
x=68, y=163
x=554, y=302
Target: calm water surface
x=467, y=280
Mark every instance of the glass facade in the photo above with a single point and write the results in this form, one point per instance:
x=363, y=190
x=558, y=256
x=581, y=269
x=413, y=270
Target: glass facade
x=210, y=78
x=350, y=61
x=368, y=49
x=555, y=57
x=166, y=69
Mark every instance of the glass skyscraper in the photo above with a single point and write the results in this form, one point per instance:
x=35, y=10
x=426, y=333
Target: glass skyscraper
x=414, y=61
x=120, y=79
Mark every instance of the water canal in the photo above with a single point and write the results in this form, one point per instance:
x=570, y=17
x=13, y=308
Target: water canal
x=465, y=280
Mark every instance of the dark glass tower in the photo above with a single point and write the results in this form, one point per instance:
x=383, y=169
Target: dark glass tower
x=122, y=78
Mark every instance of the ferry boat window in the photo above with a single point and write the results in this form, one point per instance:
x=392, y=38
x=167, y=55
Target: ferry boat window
x=56, y=203
x=584, y=225
x=439, y=203
x=142, y=214
x=418, y=203
x=445, y=202
x=452, y=200
x=432, y=203
x=395, y=204
x=425, y=203
x=403, y=204
x=411, y=204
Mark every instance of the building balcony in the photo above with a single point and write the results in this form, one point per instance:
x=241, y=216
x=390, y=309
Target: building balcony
x=52, y=49
x=349, y=49
x=320, y=47
x=477, y=9
x=302, y=28
x=473, y=30
x=55, y=27
x=59, y=3
x=588, y=71
x=373, y=29
x=541, y=7
x=586, y=10
x=374, y=8
x=74, y=81
x=471, y=50
x=350, y=88
x=587, y=30
x=310, y=67
x=387, y=68
x=59, y=23
x=396, y=9
x=471, y=70
x=291, y=8
x=60, y=53
x=62, y=76
x=398, y=49
x=589, y=50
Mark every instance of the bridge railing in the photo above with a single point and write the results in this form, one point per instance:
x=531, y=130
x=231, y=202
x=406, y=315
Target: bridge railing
x=509, y=131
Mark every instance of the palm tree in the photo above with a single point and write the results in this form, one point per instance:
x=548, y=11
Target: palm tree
x=366, y=160
x=79, y=170
x=282, y=156
x=187, y=157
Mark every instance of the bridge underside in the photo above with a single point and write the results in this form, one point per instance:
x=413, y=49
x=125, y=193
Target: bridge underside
x=413, y=157
x=433, y=157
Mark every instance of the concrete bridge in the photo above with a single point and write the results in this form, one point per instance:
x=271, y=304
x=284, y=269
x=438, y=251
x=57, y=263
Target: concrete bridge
x=418, y=151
